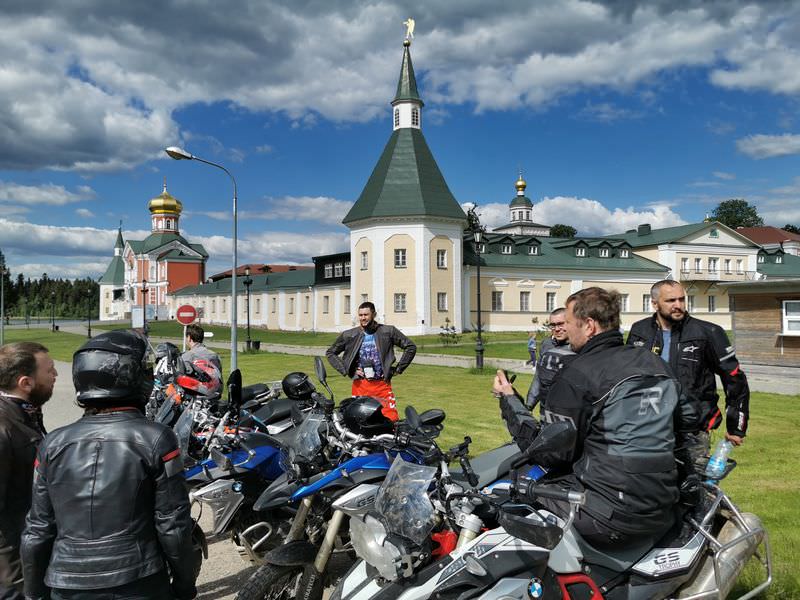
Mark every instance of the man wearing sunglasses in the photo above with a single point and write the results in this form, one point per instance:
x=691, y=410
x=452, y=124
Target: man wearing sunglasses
x=555, y=354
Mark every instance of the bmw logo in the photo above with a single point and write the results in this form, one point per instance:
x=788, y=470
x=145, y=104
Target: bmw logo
x=535, y=589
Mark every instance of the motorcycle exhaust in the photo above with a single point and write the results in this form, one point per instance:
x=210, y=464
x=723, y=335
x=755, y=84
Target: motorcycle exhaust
x=720, y=570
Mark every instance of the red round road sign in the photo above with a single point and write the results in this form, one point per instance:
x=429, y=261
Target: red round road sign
x=186, y=314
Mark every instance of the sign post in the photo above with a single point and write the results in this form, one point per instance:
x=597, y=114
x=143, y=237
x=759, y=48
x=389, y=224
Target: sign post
x=185, y=315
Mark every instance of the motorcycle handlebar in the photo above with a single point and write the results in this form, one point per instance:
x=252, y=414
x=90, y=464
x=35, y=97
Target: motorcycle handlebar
x=527, y=489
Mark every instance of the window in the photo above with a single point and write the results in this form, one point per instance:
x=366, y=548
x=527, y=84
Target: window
x=739, y=266
x=338, y=270
x=224, y=306
x=533, y=250
x=397, y=117
x=505, y=249
x=274, y=305
x=364, y=298
x=306, y=303
x=791, y=317
x=550, y=302
x=415, y=117
x=626, y=302
x=441, y=301
x=326, y=304
x=712, y=265
x=646, y=303
x=497, y=301
x=399, y=303
x=684, y=265
x=690, y=303
x=328, y=271
x=727, y=265
x=525, y=301
x=712, y=304
x=364, y=261
x=347, y=269
x=760, y=258
x=698, y=265
x=580, y=251
x=291, y=306
x=400, y=258
x=624, y=253
x=214, y=306
x=258, y=306
x=169, y=224
x=441, y=259
x=347, y=304
x=527, y=215
x=713, y=233
x=152, y=273
x=604, y=253
x=778, y=259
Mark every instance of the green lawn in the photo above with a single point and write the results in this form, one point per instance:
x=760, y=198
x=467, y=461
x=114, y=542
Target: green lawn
x=763, y=482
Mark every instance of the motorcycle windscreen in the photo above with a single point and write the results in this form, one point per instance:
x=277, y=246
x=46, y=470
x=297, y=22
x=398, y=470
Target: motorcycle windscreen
x=164, y=412
x=402, y=503
x=183, y=430
x=306, y=441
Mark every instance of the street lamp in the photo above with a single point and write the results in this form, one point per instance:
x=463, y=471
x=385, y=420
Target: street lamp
x=247, y=283
x=89, y=314
x=144, y=305
x=53, y=312
x=477, y=231
x=2, y=302
x=181, y=154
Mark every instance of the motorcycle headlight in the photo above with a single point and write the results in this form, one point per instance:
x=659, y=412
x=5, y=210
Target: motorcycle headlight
x=368, y=536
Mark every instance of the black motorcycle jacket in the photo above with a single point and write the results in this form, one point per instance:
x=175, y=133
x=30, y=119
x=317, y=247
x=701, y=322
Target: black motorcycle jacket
x=110, y=507
x=386, y=338
x=623, y=456
x=698, y=350
x=553, y=357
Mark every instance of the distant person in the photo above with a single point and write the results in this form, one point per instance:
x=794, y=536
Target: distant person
x=366, y=354
x=27, y=377
x=532, y=349
x=110, y=516
x=696, y=350
x=554, y=356
x=203, y=359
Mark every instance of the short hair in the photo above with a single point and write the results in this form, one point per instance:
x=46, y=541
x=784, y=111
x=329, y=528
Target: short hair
x=195, y=333
x=368, y=305
x=558, y=311
x=602, y=306
x=655, y=291
x=18, y=360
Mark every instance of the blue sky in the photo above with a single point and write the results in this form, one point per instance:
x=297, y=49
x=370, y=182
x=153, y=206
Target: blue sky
x=618, y=113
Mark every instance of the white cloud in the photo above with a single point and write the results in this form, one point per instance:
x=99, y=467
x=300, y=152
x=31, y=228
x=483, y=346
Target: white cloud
x=320, y=209
x=47, y=194
x=606, y=112
x=72, y=270
x=85, y=213
x=768, y=146
x=723, y=175
x=264, y=149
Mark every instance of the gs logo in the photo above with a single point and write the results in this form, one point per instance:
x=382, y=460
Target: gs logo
x=666, y=559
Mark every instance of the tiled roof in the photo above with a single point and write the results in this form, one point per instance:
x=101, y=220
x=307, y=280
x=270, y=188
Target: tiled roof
x=267, y=282
x=767, y=235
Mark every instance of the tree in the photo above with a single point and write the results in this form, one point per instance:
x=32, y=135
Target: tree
x=791, y=228
x=563, y=231
x=737, y=212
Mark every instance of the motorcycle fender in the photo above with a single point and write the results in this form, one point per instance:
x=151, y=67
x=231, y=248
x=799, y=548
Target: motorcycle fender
x=300, y=552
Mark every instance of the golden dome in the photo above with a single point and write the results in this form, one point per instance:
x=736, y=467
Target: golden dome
x=521, y=184
x=165, y=203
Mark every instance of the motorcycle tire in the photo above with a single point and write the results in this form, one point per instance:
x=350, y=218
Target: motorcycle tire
x=272, y=582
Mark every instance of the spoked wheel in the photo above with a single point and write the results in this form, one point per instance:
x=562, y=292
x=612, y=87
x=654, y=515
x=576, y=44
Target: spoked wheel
x=271, y=582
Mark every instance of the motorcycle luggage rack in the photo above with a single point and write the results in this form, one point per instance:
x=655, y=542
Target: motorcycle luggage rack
x=718, y=549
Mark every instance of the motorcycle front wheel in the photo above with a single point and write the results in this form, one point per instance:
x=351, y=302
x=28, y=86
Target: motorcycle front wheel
x=272, y=582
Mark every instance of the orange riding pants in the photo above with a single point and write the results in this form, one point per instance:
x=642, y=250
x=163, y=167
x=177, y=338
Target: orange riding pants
x=382, y=390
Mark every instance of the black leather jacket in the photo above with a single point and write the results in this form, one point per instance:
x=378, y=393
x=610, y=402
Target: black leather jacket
x=109, y=507
x=386, y=338
x=698, y=350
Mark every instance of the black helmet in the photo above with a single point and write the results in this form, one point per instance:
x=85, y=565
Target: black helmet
x=113, y=366
x=297, y=386
x=364, y=415
x=167, y=349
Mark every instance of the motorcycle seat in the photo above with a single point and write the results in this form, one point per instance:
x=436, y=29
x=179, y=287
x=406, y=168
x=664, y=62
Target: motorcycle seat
x=251, y=391
x=275, y=410
x=490, y=466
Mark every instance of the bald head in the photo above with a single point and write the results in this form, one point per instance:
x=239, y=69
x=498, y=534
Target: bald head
x=669, y=301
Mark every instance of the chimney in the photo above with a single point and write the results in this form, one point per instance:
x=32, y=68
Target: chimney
x=643, y=229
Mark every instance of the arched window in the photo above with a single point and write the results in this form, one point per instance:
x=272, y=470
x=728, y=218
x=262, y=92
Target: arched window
x=397, y=117
x=415, y=117
x=169, y=224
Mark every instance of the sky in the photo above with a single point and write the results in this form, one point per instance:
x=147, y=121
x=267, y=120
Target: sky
x=618, y=113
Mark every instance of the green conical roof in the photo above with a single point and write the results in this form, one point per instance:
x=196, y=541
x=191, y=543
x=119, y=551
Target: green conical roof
x=405, y=182
x=523, y=201
x=115, y=273
x=119, y=243
x=407, y=85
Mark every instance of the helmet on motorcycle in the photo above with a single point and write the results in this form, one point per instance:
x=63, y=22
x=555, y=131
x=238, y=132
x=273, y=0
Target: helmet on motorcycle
x=166, y=358
x=297, y=386
x=111, y=368
x=364, y=415
x=167, y=349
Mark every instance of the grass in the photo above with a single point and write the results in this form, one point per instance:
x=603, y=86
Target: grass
x=764, y=481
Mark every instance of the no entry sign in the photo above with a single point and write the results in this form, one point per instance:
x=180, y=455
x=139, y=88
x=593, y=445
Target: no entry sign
x=186, y=314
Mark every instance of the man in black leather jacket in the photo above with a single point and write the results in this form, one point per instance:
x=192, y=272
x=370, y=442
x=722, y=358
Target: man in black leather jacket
x=623, y=457
x=110, y=508
x=696, y=350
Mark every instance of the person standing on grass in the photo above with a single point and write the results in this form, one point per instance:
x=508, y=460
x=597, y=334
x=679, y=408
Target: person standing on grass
x=696, y=350
x=556, y=353
x=27, y=377
x=366, y=354
x=532, y=349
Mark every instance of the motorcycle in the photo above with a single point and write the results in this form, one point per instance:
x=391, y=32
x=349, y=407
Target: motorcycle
x=533, y=553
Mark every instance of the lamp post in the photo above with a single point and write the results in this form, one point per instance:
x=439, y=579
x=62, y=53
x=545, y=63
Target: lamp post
x=144, y=305
x=477, y=231
x=247, y=283
x=181, y=154
x=53, y=312
x=2, y=302
x=89, y=314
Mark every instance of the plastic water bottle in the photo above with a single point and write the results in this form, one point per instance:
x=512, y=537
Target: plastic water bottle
x=718, y=461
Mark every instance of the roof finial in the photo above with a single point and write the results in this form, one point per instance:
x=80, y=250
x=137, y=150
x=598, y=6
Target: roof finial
x=165, y=184
x=410, y=24
x=521, y=184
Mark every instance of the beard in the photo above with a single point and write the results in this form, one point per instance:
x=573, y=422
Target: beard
x=672, y=317
x=40, y=395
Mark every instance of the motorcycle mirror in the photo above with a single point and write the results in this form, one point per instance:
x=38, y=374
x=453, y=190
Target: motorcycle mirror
x=322, y=374
x=412, y=417
x=554, y=436
x=235, y=389
x=222, y=461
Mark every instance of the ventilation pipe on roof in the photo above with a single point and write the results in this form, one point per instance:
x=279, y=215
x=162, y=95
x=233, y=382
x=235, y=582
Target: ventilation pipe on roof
x=643, y=229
